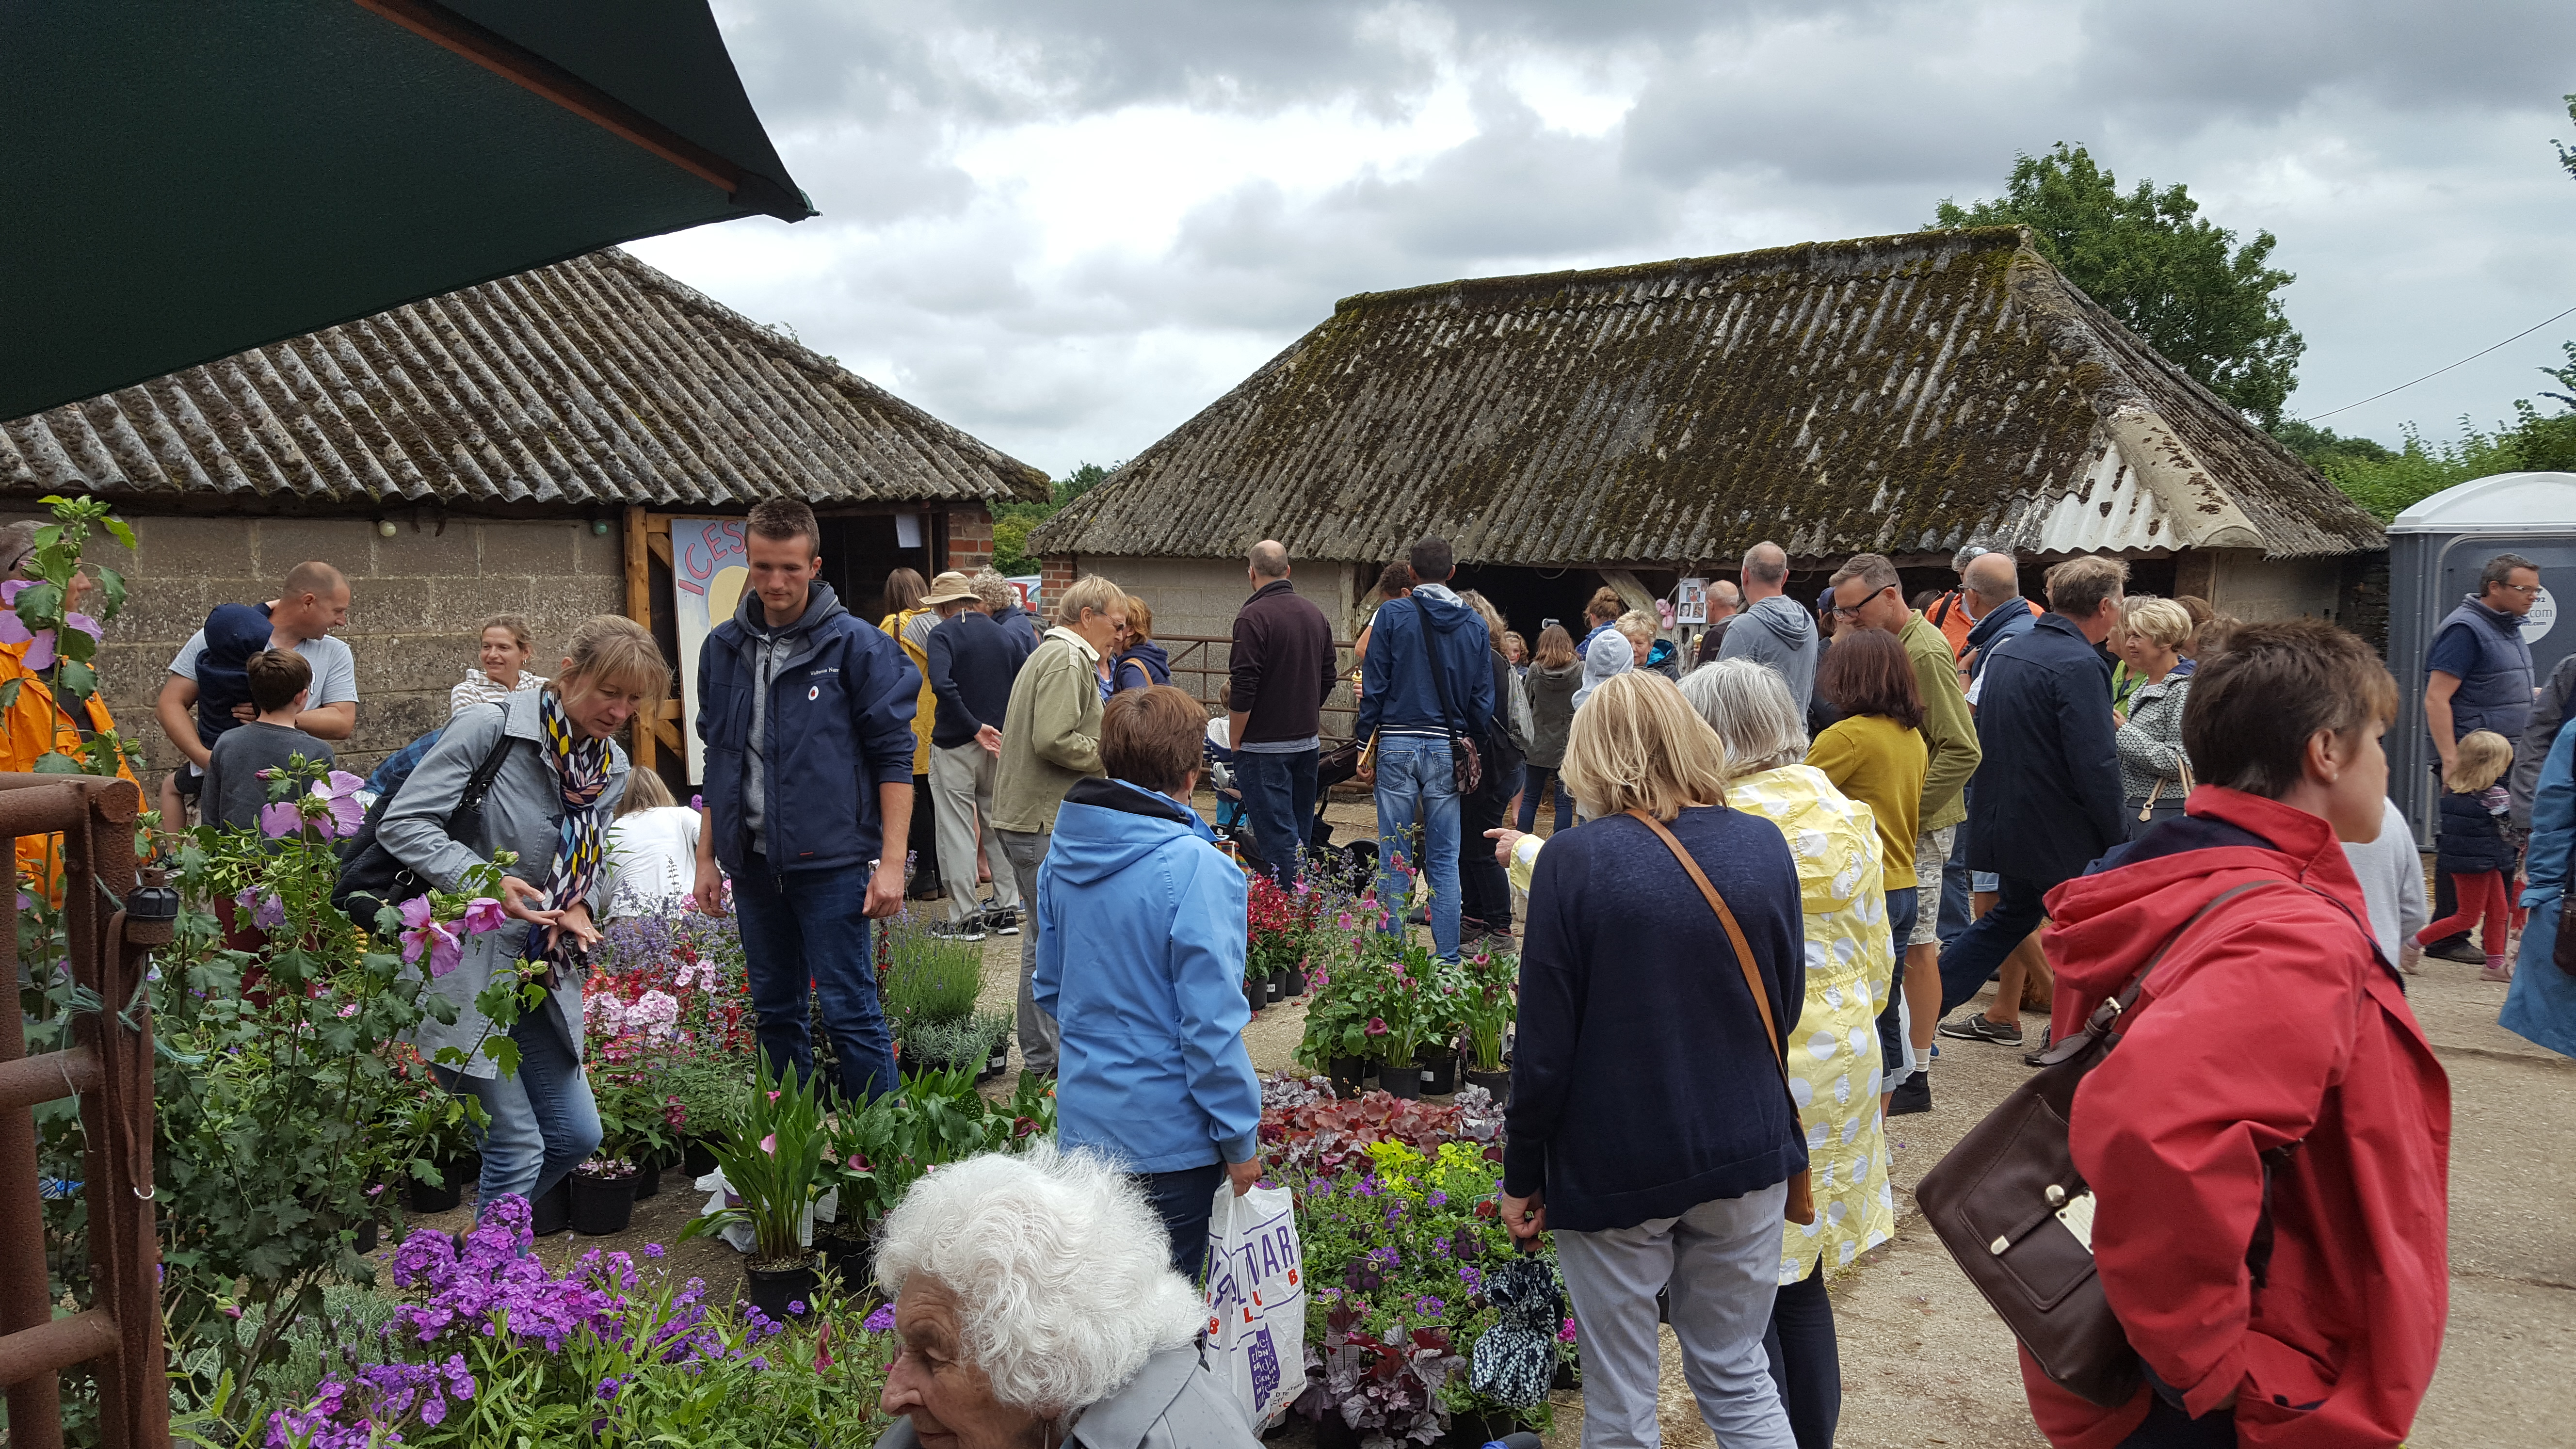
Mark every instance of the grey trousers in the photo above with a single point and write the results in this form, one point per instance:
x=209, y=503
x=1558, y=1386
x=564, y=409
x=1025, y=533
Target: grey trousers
x=1722, y=1261
x=961, y=788
x=1037, y=1029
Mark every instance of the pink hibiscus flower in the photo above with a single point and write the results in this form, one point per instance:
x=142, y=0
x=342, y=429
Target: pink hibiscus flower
x=425, y=935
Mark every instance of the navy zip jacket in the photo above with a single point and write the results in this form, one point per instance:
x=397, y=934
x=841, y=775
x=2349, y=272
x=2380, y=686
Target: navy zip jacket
x=972, y=663
x=2045, y=801
x=1642, y=1082
x=1398, y=695
x=838, y=723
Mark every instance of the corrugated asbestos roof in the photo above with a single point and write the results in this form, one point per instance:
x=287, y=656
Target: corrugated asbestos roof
x=1903, y=394
x=593, y=381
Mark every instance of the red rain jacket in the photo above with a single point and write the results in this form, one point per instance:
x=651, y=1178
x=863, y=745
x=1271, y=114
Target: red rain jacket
x=2274, y=1023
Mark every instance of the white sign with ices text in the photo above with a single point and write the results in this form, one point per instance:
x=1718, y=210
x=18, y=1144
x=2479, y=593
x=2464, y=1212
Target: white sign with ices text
x=709, y=568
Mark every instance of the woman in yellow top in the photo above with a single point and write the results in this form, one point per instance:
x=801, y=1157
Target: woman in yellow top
x=1876, y=755
x=1834, y=1062
x=37, y=722
x=909, y=624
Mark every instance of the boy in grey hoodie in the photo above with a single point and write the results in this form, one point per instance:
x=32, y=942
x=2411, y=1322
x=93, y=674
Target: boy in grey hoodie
x=1773, y=628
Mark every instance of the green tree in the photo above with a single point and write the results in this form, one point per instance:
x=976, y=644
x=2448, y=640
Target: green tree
x=2180, y=281
x=2566, y=154
x=1014, y=522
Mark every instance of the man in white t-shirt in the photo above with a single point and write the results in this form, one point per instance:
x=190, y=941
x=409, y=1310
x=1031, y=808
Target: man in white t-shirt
x=313, y=601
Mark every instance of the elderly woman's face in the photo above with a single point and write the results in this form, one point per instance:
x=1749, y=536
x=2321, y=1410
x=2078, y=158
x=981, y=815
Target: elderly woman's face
x=949, y=1400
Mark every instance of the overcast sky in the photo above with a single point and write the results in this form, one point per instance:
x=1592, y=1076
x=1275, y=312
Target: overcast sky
x=1068, y=226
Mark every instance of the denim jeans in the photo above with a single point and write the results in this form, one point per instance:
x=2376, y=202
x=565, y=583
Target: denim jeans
x=1417, y=819
x=1969, y=960
x=1958, y=907
x=543, y=1121
x=1531, y=784
x=1185, y=1200
x=812, y=927
x=1279, y=796
x=1903, y=904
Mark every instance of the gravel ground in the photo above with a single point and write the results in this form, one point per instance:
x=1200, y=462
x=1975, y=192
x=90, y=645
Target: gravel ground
x=1926, y=1362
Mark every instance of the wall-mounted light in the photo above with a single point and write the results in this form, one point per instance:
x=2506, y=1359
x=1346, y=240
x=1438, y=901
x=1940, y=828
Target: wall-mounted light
x=599, y=526
x=385, y=526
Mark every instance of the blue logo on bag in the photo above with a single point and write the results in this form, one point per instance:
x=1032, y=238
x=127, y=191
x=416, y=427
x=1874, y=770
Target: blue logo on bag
x=1265, y=1366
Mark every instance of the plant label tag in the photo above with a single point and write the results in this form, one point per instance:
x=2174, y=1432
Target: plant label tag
x=2077, y=1215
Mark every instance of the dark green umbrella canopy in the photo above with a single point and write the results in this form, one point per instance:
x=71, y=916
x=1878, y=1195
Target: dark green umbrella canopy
x=183, y=179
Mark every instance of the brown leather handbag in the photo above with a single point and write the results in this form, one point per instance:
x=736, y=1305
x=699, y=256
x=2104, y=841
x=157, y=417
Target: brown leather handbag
x=1802, y=1193
x=2011, y=1207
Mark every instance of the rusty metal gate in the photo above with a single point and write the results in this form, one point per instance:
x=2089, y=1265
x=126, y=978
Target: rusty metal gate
x=109, y=1069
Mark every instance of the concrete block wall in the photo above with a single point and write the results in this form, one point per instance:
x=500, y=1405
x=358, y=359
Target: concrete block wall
x=1200, y=597
x=414, y=601
x=2242, y=582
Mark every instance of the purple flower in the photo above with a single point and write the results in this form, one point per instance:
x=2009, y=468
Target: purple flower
x=281, y=819
x=880, y=1321
x=422, y=934
x=484, y=914
x=796, y=1305
x=652, y=1250
x=266, y=911
x=342, y=814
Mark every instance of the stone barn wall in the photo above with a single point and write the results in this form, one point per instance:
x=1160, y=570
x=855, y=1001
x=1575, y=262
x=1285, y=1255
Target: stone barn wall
x=414, y=601
x=1199, y=597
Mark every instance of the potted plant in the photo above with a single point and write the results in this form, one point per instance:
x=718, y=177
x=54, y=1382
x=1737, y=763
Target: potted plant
x=603, y=1195
x=433, y=1147
x=1490, y=1003
x=773, y=1161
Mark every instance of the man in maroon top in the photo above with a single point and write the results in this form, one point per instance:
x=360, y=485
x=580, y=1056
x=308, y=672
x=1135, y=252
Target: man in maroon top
x=1283, y=668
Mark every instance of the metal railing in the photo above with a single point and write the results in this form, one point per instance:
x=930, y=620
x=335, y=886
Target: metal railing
x=111, y=929
x=1191, y=655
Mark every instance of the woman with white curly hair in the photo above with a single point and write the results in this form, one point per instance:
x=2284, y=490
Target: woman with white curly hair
x=1038, y=1308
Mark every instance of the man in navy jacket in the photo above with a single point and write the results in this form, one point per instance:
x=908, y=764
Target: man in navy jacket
x=2045, y=801
x=806, y=715
x=1424, y=649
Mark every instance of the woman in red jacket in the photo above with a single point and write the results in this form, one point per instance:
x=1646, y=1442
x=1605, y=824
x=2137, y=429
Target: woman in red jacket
x=2270, y=1052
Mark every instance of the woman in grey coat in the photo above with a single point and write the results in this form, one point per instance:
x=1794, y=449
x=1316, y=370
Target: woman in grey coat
x=1038, y=1309
x=550, y=802
x=2154, y=773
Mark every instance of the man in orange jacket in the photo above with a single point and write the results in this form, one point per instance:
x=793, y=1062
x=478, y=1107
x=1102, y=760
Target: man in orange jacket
x=39, y=721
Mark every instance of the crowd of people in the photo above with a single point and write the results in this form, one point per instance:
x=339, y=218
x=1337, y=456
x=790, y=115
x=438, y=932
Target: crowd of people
x=1772, y=886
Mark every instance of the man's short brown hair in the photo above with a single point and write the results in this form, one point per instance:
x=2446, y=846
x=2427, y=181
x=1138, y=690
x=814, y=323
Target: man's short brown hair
x=2254, y=706
x=2077, y=587
x=276, y=677
x=1152, y=737
x=779, y=518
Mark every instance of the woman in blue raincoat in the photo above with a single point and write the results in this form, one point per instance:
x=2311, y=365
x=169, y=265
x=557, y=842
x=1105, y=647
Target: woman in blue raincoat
x=2541, y=1003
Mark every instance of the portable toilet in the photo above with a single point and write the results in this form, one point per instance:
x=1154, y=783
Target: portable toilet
x=2435, y=551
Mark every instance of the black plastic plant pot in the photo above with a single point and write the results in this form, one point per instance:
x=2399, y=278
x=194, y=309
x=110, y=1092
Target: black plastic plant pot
x=1255, y=994
x=369, y=1235
x=552, y=1213
x=852, y=1260
x=1475, y=1431
x=649, y=1181
x=424, y=1199
x=697, y=1159
x=1286, y=982
x=1400, y=1079
x=772, y=1289
x=1349, y=1074
x=1498, y=1083
x=1439, y=1072
x=602, y=1205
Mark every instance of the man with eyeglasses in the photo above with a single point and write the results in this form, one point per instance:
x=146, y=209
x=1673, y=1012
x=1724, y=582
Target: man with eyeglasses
x=2479, y=677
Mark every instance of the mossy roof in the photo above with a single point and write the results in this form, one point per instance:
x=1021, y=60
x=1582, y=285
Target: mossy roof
x=591, y=382
x=1904, y=394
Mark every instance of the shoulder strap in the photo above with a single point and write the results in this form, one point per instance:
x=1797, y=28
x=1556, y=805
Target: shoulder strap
x=1431, y=661
x=1734, y=935
x=480, y=782
x=2114, y=1007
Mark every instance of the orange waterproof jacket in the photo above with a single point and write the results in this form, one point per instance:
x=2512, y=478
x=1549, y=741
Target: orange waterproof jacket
x=35, y=725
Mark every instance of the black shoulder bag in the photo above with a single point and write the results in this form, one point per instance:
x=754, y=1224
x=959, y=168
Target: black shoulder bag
x=1466, y=764
x=372, y=880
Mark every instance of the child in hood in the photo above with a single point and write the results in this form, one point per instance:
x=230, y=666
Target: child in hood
x=234, y=632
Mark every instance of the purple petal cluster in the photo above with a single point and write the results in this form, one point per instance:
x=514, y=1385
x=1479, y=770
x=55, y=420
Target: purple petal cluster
x=498, y=1283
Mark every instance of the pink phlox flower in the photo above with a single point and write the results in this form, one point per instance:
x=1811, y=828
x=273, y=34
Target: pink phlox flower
x=654, y=1011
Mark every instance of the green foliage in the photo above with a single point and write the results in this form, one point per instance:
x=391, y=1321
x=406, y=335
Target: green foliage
x=923, y=977
x=772, y=1158
x=2179, y=281
x=1014, y=522
x=1490, y=1001
x=879, y=1150
x=2567, y=154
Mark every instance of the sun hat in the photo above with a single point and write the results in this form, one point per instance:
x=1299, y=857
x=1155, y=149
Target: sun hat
x=950, y=588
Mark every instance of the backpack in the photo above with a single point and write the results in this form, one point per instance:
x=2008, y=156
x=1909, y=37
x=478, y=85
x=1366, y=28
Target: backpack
x=371, y=880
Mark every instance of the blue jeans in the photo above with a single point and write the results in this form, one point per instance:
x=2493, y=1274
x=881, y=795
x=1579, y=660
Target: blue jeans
x=1417, y=819
x=543, y=1121
x=1279, y=796
x=813, y=927
x=1969, y=960
x=1185, y=1200
x=1903, y=905
x=1806, y=1362
x=1958, y=907
x=1532, y=783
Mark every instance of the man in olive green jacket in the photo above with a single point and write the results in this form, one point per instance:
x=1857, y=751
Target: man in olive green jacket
x=1051, y=738
x=1868, y=593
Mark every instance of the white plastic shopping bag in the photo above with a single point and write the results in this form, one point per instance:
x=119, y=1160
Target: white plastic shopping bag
x=1256, y=1298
